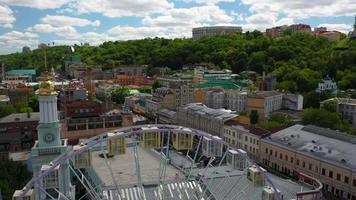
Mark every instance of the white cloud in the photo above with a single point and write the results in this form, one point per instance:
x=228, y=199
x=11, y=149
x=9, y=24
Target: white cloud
x=119, y=8
x=303, y=8
x=15, y=40
x=39, y=4
x=60, y=20
x=63, y=31
x=345, y=28
x=6, y=17
x=209, y=2
x=189, y=17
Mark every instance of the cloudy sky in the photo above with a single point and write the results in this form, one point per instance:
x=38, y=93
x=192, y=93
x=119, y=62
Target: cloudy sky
x=30, y=22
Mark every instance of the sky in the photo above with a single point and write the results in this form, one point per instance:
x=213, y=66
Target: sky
x=31, y=22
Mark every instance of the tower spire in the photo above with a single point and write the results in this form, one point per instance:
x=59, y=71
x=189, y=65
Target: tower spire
x=46, y=67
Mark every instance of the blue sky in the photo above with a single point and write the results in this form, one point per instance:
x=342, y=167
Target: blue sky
x=30, y=22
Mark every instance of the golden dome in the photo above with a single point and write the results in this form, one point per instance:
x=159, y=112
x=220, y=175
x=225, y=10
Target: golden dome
x=47, y=88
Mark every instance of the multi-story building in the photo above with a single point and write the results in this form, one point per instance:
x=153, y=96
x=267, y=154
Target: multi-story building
x=166, y=116
x=215, y=30
x=236, y=100
x=182, y=88
x=322, y=153
x=131, y=70
x=74, y=91
x=292, y=102
x=165, y=97
x=246, y=137
x=300, y=27
x=215, y=99
x=276, y=31
x=18, y=131
x=346, y=107
x=137, y=80
x=199, y=116
x=331, y=35
x=264, y=102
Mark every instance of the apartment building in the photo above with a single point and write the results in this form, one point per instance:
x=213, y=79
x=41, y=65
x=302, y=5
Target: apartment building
x=236, y=100
x=214, y=30
x=182, y=88
x=322, y=153
x=199, y=116
x=165, y=97
x=215, y=99
x=264, y=102
x=246, y=137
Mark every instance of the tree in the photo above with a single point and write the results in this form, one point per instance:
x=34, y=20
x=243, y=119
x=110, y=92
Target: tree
x=33, y=102
x=330, y=105
x=13, y=175
x=324, y=118
x=118, y=95
x=6, y=110
x=254, y=117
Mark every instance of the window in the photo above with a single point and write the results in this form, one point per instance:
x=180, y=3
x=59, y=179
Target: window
x=310, y=166
x=270, y=152
x=330, y=174
x=338, y=176
x=303, y=164
x=354, y=182
x=323, y=171
x=286, y=157
x=275, y=154
x=346, y=179
x=267, y=150
x=280, y=156
x=291, y=159
x=246, y=139
x=297, y=162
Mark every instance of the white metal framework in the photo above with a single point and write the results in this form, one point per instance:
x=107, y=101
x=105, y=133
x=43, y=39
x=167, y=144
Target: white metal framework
x=198, y=179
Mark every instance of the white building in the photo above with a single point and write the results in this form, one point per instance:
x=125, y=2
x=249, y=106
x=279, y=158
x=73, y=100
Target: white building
x=292, y=102
x=245, y=137
x=236, y=100
x=199, y=116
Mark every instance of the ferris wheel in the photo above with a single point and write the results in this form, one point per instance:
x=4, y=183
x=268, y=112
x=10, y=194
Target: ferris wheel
x=150, y=162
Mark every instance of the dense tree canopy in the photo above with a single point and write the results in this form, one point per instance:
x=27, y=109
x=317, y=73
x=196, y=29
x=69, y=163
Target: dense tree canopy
x=299, y=60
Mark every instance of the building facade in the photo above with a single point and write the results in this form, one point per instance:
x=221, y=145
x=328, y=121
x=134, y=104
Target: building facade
x=346, y=107
x=214, y=30
x=327, y=85
x=18, y=131
x=182, y=88
x=264, y=102
x=199, y=116
x=321, y=153
x=246, y=137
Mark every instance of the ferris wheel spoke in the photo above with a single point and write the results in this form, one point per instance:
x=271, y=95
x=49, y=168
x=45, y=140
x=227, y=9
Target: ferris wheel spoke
x=89, y=191
x=84, y=179
x=138, y=172
x=44, y=191
x=213, y=173
x=195, y=157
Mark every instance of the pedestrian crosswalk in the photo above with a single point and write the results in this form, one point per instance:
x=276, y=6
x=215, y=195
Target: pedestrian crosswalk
x=170, y=191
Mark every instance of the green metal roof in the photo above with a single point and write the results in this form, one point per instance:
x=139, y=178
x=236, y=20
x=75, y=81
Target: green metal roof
x=226, y=84
x=18, y=72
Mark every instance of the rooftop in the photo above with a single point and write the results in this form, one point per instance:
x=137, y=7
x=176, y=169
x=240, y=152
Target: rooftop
x=201, y=109
x=224, y=83
x=21, y=117
x=320, y=143
x=249, y=128
x=264, y=94
x=18, y=72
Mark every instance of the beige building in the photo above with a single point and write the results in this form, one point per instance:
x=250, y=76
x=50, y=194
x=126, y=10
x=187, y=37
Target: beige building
x=165, y=97
x=182, y=88
x=198, y=116
x=264, y=102
x=246, y=137
x=321, y=153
